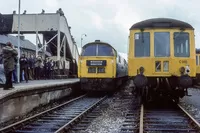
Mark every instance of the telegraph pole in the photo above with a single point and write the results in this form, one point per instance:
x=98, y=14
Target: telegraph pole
x=18, y=66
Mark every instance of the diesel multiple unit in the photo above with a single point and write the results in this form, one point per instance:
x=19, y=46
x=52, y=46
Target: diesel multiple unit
x=161, y=59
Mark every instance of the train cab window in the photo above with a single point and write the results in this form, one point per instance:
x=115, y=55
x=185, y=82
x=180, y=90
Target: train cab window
x=89, y=50
x=197, y=58
x=105, y=50
x=142, y=44
x=181, y=44
x=161, y=44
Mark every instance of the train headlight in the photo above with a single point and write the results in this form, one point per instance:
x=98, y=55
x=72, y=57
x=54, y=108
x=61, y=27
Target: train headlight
x=182, y=70
x=187, y=69
x=166, y=66
x=92, y=70
x=141, y=69
x=101, y=70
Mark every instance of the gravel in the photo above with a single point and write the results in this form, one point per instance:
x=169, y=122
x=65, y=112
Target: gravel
x=112, y=118
x=192, y=103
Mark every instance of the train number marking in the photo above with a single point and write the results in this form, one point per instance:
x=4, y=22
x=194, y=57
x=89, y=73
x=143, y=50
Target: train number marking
x=183, y=61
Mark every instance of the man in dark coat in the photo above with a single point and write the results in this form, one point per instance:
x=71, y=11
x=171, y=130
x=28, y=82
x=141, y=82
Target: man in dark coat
x=24, y=67
x=31, y=67
x=9, y=55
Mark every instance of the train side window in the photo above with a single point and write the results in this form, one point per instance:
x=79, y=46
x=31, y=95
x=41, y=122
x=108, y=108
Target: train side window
x=181, y=44
x=142, y=44
x=161, y=44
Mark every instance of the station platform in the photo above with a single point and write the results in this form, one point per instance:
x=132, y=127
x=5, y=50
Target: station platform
x=26, y=96
x=35, y=85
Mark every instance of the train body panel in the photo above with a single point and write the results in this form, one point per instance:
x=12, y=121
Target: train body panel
x=197, y=62
x=97, y=67
x=197, y=80
x=151, y=71
x=122, y=67
x=149, y=61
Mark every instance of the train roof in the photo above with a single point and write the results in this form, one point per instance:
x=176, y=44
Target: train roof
x=161, y=23
x=99, y=42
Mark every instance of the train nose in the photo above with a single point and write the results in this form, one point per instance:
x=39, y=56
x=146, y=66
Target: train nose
x=185, y=81
x=140, y=81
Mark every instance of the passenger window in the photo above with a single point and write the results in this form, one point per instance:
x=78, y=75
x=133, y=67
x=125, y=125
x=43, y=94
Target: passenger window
x=142, y=44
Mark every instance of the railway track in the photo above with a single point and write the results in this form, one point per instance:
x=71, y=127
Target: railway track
x=130, y=125
x=154, y=118
x=86, y=121
x=57, y=119
x=167, y=119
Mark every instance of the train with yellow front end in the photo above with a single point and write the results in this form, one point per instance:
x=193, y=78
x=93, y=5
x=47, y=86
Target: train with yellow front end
x=101, y=68
x=161, y=58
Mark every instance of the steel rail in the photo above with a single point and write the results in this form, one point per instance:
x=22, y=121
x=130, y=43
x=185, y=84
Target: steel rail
x=192, y=118
x=141, y=128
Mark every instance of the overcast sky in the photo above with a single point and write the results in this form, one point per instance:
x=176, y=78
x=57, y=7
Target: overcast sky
x=110, y=20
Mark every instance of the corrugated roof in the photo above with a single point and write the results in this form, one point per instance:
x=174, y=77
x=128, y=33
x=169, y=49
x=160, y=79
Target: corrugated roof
x=26, y=44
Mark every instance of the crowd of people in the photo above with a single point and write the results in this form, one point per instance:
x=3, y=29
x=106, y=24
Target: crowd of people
x=31, y=68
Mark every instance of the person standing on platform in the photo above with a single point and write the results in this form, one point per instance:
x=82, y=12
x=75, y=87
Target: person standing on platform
x=51, y=68
x=15, y=71
x=9, y=55
x=47, y=68
x=24, y=67
x=38, y=68
x=31, y=67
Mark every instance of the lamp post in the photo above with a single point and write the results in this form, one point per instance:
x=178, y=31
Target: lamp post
x=82, y=40
x=18, y=66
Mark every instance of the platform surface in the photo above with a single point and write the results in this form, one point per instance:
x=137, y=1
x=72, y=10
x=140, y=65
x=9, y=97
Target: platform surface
x=34, y=84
